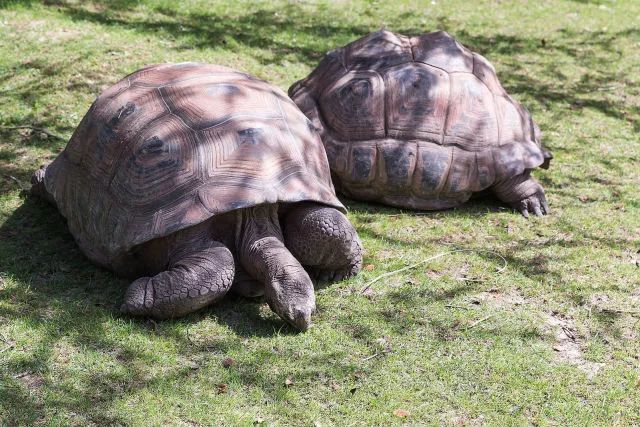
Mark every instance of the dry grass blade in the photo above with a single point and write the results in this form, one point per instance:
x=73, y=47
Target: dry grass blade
x=477, y=322
x=440, y=255
x=17, y=181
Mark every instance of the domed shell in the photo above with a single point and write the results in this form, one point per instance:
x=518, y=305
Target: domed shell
x=416, y=121
x=171, y=145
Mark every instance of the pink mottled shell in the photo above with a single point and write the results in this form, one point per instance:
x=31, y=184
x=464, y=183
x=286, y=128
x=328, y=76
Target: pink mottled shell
x=419, y=122
x=171, y=145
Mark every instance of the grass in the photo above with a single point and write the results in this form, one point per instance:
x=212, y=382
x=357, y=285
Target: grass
x=551, y=340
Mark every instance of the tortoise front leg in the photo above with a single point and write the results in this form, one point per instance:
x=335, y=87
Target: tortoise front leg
x=324, y=241
x=523, y=193
x=198, y=278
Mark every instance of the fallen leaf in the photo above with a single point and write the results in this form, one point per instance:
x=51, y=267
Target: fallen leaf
x=222, y=388
x=228, y=362
x=369, y=267
x=401, y=413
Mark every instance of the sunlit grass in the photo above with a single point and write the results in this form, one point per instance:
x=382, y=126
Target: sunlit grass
x=456, y=341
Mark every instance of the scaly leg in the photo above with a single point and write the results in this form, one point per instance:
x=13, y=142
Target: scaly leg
x=323, y=240
x=196, y=279
x=287, y=286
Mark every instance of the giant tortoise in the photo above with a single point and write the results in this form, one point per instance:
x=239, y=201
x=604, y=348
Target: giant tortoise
x=421, y=122
x=182, y=176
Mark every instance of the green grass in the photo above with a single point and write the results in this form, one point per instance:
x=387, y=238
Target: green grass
x=452, y=342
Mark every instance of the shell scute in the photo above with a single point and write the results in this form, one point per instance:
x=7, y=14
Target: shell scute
x=363, y=163
x=378, y=50
x=471, y=120
x=397, y=163
x=354, y=106
x=433, y=163
x=417, y=98
x=484, y=71
x=158, y=165
x=441, y=50
x=114, y=123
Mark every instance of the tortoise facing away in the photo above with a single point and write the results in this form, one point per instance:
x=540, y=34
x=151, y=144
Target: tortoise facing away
x=184, y=176
x=421, y=122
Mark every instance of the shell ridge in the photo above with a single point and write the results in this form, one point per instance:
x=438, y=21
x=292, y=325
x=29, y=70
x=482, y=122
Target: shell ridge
x=446, y=179
x=446, y=114
x=241, y=116
x=203, y=76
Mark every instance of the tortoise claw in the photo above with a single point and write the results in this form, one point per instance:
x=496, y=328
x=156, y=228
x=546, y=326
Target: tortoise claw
x=535, y=204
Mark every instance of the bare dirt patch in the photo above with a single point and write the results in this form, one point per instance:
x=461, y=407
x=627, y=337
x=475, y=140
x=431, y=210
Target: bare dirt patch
x=30, y=380
x=568, y=343
x=498, y=299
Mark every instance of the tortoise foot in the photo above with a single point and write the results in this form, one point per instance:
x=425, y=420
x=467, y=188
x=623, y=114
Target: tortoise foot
x=536, y=204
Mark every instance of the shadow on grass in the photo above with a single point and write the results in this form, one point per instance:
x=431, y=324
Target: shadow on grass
x=67, y=302
x=70, y=304
x=69, y=299
x=292, y=32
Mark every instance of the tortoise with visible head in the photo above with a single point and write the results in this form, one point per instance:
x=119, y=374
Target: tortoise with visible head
x=186, y=175
x=421, y=122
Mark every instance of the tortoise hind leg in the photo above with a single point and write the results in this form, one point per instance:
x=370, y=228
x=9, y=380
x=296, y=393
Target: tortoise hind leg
x=197, y=278
x=523, y=193
x=324, y=241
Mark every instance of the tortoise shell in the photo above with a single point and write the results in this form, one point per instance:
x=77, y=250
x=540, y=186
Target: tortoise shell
x=419, y=122
x=171, y=145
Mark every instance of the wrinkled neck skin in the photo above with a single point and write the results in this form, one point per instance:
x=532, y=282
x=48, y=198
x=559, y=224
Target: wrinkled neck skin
x=261, y=250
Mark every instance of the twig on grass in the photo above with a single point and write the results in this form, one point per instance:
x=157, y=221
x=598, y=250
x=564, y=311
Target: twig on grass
x=440, y=255
x=37, y=129
x=619, y=311
x=477, y=322
x=16, y=180
x=461, y=307
x=373, y=356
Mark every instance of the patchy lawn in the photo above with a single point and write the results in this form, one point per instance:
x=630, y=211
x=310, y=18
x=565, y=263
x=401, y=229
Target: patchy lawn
x=536, y=322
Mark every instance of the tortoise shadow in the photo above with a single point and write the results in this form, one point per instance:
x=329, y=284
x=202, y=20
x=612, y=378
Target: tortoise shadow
x=37, y=231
